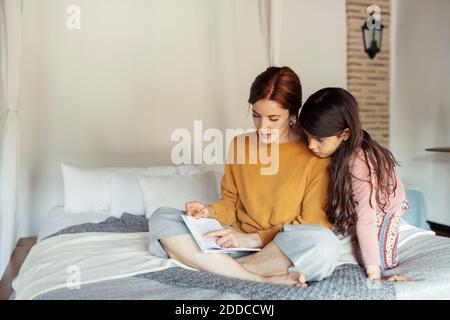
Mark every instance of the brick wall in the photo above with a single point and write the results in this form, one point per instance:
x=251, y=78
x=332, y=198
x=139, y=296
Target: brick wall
x=368, y=80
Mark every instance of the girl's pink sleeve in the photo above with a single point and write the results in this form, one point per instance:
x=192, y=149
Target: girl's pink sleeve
x=366, y=226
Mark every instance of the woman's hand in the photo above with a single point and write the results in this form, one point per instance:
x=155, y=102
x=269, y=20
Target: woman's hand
x=232, y=238
x=198, y=210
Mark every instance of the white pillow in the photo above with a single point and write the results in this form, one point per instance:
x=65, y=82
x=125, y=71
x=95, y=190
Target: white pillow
x=125, y=193
x=175, y=191
x=157, y=171
x=217, y=169
x=85, y=188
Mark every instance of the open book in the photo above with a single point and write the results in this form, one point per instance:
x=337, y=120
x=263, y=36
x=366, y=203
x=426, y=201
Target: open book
x=198, y=227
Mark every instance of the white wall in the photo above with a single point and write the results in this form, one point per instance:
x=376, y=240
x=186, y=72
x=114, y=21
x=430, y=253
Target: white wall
x=420, y=106
x=111, y=93
x=314, y=42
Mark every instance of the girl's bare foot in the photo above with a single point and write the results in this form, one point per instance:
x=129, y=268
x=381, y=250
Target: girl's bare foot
x=296, y=279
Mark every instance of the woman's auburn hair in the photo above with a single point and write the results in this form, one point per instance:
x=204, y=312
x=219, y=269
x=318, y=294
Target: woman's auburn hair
x=280, y=84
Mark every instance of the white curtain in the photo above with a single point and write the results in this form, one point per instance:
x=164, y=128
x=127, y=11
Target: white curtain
x=170, y=60
x=10, y=47
x=271, y=13
x=226, y=46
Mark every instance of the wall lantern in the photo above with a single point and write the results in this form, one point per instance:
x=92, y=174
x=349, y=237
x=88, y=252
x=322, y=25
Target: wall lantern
x=372, y=30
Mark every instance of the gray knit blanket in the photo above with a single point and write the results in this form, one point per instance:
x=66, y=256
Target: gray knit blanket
x=347, y=282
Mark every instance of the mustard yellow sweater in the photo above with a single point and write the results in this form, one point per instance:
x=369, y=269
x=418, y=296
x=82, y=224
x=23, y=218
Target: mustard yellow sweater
x=253, y=202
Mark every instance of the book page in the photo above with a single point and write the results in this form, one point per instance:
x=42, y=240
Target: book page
x=199, y=227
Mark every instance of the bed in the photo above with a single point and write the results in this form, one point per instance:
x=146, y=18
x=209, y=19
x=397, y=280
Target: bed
x=92, y=255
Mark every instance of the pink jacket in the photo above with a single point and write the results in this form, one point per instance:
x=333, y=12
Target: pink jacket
x=366, y=226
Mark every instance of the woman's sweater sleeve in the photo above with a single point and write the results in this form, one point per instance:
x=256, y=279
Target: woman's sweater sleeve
x=366, y=225
x=269, y=234
x=316, y=193
x=225, y=208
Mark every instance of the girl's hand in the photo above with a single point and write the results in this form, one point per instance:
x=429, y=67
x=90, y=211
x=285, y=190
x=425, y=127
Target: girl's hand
x=397, y=277
x=231, y=238
x=374, y=273
x=198, y=210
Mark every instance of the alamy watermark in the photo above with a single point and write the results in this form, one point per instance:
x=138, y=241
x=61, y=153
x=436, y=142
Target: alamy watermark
x=74, y=277
x=74, y=19
x=247, y=148
x=374, y=18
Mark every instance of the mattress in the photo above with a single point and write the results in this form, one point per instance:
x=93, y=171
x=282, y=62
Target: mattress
x=424, y=257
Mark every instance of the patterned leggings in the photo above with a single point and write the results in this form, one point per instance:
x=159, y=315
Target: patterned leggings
x=388, y=226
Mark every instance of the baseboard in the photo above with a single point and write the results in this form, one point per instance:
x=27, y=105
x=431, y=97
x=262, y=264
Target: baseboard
x=438, y=226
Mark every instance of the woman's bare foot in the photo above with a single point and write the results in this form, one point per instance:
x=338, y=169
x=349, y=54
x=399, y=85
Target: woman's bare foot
x=296, y=279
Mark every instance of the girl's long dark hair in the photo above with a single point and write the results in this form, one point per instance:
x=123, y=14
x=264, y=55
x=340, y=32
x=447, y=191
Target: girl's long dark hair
x=328, y=112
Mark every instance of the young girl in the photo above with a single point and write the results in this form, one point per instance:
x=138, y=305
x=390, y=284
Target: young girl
x=364, y=187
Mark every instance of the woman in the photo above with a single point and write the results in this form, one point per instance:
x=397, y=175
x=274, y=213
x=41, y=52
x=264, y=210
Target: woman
x=281, y=213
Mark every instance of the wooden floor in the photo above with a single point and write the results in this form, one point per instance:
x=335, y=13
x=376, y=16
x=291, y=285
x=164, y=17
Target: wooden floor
x=18, y=257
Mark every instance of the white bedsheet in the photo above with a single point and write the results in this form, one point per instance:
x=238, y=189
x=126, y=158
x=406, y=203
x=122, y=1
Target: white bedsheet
x=349, y=244
x=57, y=220
x=71, y=260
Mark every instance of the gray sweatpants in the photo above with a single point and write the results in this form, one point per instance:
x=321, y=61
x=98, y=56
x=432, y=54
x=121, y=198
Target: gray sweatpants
x=313, y=249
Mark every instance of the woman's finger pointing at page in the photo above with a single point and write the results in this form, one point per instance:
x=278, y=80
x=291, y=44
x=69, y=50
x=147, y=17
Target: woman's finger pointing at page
x=228, y=244
x=216, y=233
x=224, y=239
